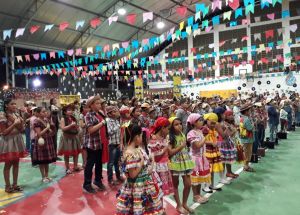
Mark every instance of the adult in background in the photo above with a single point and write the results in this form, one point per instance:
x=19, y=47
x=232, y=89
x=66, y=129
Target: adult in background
x=26, y=116
x=93, y=146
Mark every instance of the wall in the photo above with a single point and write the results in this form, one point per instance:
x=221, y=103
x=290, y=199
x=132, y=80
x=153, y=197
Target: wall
x=188, y=89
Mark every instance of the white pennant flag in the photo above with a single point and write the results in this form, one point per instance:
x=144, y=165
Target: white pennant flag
x=48, y=27
x=147, y=16
x=112, y=19
x=20, y=32
x=79, y=24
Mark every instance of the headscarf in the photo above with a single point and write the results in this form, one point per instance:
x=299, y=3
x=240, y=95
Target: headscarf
x=194, y=117
x=211, y=117
x=228, y=113
x=159, y=123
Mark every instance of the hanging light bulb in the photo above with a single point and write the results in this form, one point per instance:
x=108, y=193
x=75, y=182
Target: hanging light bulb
x=160, y=25
x=121, y=11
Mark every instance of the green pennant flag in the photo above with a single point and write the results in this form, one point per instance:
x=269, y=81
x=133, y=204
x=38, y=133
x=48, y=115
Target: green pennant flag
x=249, y=8
x=275, y=1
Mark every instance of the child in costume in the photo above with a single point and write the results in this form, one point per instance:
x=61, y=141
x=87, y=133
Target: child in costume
x=196, y=139
x=181, y=164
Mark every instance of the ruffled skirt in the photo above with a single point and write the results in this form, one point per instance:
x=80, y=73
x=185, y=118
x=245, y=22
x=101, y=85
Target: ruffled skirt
x=12, y=148
x=69, y=145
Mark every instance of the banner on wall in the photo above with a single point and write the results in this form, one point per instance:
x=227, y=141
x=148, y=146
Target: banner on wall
x=68, y=99
x=223, y=93
x=138, y=88
x=176, y=86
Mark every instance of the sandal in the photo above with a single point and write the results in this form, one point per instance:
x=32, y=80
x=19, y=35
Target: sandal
x=215, y=188
x=200, y=199
x=68, y=172
x=189, y=210
x=17, y=188
x=9, y=189
x=230, y=175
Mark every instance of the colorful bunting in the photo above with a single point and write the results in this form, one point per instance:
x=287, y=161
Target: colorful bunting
x=131, y=18
x=271, y=16
x=63, y=26
x=293, y=28
x=216, y=4
x=48, y=27
x=95, y=22
x=7, y=34
x=147, y=16
x=79, y=24
x=238, y=12
x=249, y=8
x=182, y=10
x=112, y=19
x=269, y=34
x=34, y=28
x=19, y=32
x=234, y=4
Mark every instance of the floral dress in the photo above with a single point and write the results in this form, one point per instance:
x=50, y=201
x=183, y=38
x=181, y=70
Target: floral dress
x=181, y=163
x=140, y=195
x=201, y=172
x=161, y=163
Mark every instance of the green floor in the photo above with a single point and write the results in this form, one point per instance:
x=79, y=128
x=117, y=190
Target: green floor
x=273, y=189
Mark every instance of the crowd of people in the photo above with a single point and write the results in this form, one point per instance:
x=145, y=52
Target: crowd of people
x=149, y=143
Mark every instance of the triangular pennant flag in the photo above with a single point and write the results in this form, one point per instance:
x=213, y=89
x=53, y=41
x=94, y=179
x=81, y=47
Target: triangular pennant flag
x=34, y=28
x=70, y=52
x=257, y=19
x=227, y=15
x=7, y=34
x=216, y=20
x=19, y=59
x=249, y=8
x=234, y=4
x=238, y=13
x=130, y=18
x=147, y=16
x=257, y=36
x=246, y=2
x=271, y=16
x=79, y=24
x=245, y=22
x=181, y=26
x=293, y=28
x=20, y=32
x=197, y=16
x=63, y=26
x=48, y=27
x=269, y=34
x=112, y=19
x=95, y=22
x=265, y=3
x=182, y=10
x=208, y=29
x=52, y=55
x=275, y=1
x=200, y=7
x=216, y=4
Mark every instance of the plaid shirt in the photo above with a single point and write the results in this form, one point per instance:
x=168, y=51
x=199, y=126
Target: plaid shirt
x=92, y=141
x=114, y=131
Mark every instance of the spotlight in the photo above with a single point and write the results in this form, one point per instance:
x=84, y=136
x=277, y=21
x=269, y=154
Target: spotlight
x=160, y=25
x=5, y=87
x=121, y=11
x=37, y=83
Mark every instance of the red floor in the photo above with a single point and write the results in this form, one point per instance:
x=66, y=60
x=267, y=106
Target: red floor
x=66, y=197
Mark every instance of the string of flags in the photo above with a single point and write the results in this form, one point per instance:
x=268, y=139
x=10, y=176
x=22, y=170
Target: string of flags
x=119, y=49
x=169, y=58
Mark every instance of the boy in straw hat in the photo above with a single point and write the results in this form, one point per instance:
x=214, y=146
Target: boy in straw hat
x=246, y=135
x=93, y=145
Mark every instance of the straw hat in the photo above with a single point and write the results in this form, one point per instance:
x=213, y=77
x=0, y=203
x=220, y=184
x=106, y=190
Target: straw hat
x=92, y=99
x=246, y=107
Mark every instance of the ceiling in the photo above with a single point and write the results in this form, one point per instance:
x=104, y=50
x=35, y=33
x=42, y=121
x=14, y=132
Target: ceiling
x=26, y=13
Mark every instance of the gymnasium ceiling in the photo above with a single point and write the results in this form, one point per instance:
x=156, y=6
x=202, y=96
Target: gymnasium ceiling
x=26, y=13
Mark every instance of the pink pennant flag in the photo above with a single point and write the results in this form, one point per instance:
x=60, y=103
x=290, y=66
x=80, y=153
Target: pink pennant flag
x=245, y=22
x=182, y=10
x=234, y=4
x=145, y=41
x=27, y=58
x=106, y=48
x=34, y=28
x=63, y=26
x=208, y=29
x=125, y=44
x=245, y=38
x=78, y=52
x=70, y=52
x=271, y=16
x=147, y=16
x=222, y=43
x=95, y=22
x=112, y=19
x=216, y=4
x=52, y=55
x=36, y=56
x=131, y=18
x=20, y=32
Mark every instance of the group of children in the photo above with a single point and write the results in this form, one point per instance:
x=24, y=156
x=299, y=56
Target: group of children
x=149, y=146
